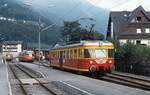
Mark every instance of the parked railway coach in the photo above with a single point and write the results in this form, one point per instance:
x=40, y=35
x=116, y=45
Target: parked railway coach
x=9, y=57
x=85, y=56
x=26, y=56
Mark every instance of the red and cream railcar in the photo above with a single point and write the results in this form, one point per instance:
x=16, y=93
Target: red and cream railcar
x=26, y=56
x=85, y=56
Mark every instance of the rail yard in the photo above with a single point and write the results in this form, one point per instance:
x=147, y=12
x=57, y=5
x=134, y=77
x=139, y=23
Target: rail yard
x=36, y=78
x=81, y=68
x=74, y=47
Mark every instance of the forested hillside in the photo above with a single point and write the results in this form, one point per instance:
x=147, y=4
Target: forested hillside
x=21, y=23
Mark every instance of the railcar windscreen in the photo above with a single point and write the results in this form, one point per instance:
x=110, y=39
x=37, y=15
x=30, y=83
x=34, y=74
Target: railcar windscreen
x=95, y=53
x=101, y=53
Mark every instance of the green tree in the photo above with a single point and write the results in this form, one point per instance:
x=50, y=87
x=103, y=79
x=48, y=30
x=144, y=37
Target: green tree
x=132, y=58
x=72, y=31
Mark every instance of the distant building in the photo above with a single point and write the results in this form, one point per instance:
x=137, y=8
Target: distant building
x=132, y=26
x=12, y=47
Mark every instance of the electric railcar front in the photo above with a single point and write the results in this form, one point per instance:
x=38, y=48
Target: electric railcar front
x=86, y=56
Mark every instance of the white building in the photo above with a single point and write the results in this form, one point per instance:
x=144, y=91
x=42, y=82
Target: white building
x=12, y=47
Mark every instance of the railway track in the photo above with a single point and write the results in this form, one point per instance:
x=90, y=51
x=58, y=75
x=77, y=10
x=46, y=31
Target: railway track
x=24, y=88
x=142, y=78
x=127, y=81
x=44, y=64
x=20, y=82
x=134, y=82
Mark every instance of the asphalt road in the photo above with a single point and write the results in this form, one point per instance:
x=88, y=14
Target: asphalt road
x=93, y=86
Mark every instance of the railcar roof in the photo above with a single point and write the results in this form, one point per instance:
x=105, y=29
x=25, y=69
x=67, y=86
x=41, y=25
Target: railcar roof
x=84, y=43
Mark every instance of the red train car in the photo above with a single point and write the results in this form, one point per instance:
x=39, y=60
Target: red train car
x=44, y=54
x=85, y=56
x=9, y=57
x=26, y=56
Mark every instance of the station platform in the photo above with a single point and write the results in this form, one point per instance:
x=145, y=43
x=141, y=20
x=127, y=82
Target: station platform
x=4, y=82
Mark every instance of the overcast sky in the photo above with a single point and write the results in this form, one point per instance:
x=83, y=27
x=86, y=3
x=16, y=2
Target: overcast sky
x=115, y=5
x=120, y=5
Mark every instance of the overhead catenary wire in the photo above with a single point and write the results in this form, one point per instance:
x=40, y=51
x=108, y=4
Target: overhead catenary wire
x=77, y=5
x=120, y=4
x=123, y=3
x=89, y=8
x=68, y=13
x=72, y=9
x=147, y=6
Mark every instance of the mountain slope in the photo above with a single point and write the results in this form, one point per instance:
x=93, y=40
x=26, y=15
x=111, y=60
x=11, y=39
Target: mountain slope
x=24, y=25
x=71, y=10
x=20, y=23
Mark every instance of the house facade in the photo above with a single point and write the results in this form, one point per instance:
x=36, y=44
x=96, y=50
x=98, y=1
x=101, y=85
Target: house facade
x=132, y=26
x=12, y=47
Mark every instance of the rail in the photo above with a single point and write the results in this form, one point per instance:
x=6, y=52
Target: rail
x=23, y=69
x=26, y=71
x=127, y=81
x=20, y=82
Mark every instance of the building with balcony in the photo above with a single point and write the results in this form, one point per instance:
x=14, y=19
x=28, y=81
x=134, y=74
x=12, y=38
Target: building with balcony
x=132, y=26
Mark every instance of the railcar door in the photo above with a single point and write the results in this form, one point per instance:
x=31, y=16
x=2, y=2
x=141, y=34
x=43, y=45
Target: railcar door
x=61, y=59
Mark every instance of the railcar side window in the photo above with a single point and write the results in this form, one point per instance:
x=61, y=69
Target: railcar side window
x=63, y=54
x=75, y=54
x=67, y=54
x=79, y=53
x=89, y=53
x=59, y=54
x=110, y=53
x=86, y=53
x=71, y=54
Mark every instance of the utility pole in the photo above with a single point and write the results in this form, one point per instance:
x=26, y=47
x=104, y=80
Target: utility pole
x=39, y=38
x=29, y=3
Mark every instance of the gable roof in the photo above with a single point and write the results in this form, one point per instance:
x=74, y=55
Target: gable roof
x=122, y=18
x=119, y=19
x=136, y=11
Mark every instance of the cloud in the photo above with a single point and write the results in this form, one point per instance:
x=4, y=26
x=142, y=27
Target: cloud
x=107, y=4
x=120, y=5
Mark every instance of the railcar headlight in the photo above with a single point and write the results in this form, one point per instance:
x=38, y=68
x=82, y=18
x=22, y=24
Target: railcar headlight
x=91, y=62
x=104, y=61
x=110, y=61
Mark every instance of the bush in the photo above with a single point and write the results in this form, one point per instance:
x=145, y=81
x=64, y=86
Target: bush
x=131, y=58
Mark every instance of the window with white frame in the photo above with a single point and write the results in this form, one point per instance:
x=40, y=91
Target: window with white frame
x=138, y=30
x=147, y=30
